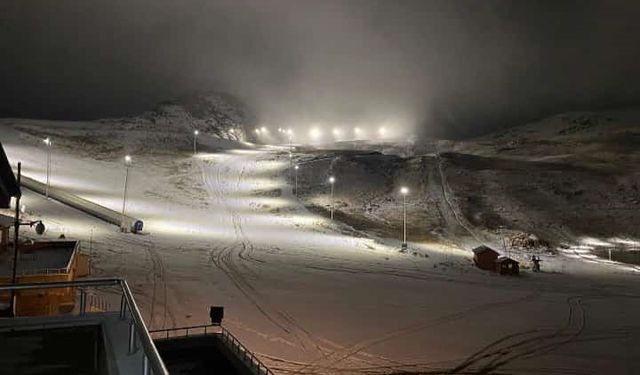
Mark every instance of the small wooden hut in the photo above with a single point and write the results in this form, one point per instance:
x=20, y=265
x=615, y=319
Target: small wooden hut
x=507, y=266
x=485, y=258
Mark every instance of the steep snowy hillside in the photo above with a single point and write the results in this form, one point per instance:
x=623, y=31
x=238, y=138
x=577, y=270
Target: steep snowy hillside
x=219, y=119
x=550, y=186
x=218, y=114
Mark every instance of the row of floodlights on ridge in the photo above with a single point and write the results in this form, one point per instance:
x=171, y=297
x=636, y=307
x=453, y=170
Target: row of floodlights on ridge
x=264, y=130
x=316, y=133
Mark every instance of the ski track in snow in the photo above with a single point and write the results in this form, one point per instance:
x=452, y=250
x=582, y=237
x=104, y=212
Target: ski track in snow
x=223, y=180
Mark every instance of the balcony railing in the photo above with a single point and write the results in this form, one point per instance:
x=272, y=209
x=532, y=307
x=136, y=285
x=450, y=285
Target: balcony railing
x=151, y=361
x=228, y=339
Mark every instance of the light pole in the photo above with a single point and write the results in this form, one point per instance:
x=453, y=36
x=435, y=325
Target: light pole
x=404, y=191
x=195, y=141
x=16, y=228
x=47, y=142
x=295, y=168
x=127, y=162
x=332, y=181
x=290, y=167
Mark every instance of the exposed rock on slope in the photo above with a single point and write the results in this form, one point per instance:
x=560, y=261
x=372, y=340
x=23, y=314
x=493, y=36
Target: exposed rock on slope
x=220, y=119
x=219, y=114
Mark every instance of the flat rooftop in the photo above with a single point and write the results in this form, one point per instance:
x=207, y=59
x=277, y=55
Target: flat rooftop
x=6, y=221
x=64, y=350
x=39, y=258
x=199, y=355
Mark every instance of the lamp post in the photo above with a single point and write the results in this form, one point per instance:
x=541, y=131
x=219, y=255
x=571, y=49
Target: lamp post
x=404, y=191
x=47, y=142
x=16, y=229
x=290, y=167
x=295, y=168
x=195, y=141
x=332, y=181
x=127, y=162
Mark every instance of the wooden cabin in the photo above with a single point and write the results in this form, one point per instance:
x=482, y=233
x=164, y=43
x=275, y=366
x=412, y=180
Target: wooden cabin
x=507, y=266
x=485, y=257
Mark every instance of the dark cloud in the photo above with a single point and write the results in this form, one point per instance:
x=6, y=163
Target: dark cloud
x=453, y=67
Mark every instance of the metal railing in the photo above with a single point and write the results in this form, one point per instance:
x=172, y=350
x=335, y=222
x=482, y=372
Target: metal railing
x=242, y=352
x=151, y=361
x=48, y=270
x=42, y=271
x=228, y=339
x=203, y=329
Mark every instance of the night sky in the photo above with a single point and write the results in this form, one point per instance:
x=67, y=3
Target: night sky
x=448, y=67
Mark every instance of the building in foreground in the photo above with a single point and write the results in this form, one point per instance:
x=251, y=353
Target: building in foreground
x=113, y=340
x=42, y=262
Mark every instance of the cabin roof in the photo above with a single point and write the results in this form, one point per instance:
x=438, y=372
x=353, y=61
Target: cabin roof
x=482, y=249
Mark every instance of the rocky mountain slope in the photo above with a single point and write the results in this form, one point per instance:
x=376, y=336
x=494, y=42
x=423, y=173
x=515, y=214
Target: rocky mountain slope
x=220, y=119
x=565, y=181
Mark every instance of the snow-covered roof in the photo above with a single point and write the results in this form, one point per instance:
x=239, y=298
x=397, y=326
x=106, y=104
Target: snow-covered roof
x=8, y=184
x=482, y=249
x=503, y=258
x=6, y=221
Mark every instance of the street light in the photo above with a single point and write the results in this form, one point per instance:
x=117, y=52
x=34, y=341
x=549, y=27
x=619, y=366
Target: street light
x=290, y=140
x=295, y=168
x=127, y=162
x=40, y=228
x=47, y=142
x=290, y=166
x=195, y=141
x=332, y=180
x=315, y=133
x=404, y=191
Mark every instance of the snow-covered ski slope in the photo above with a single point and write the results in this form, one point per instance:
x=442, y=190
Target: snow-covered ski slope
x=311, y=296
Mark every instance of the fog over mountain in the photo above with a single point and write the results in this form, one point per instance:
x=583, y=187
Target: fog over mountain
x=450, y=68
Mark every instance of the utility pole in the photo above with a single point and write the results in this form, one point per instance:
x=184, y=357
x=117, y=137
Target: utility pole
x=16, y=229
x=195, y=141
x=504, y=244
x=296, y=167
x=290, y=167
x=332, y=180
x=404, y=191
x=127, y=161
x=47, y=142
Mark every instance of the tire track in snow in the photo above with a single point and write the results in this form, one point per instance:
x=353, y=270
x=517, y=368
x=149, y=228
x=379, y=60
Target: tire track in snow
x=339, y=356
x=158, y=280
x=444, y=187
x=226, y=258
x=526, y=343
x=224, y=184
